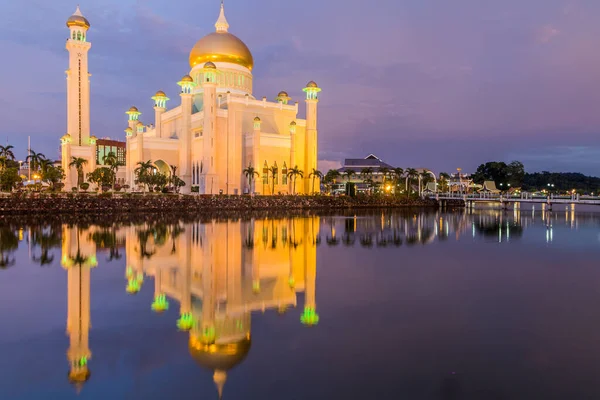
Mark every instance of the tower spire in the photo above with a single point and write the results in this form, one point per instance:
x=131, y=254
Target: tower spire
x=219, y=378
x=222, y=25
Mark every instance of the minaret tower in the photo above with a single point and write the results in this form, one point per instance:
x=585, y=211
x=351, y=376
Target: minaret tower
x=209, y=86
x=311, y=152
x=78, y=80
x=185, y=138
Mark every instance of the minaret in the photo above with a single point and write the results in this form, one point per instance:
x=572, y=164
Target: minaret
x=293, y=161
x=209, y=86
x=78, y=261
x=311, y=152
x=185, y=137
x=256, y=150
x=160, y=105
x=133, y=116
x=78, y=80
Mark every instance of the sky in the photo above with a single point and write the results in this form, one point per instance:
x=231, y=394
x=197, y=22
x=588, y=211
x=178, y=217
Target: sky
x=420, y=83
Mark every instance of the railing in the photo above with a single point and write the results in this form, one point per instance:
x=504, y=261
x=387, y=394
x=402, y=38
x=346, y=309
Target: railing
x=524, y=197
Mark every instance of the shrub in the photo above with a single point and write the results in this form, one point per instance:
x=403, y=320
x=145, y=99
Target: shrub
x=74, y=189
x=84, y=186
x=117, y=187
x=107, y=195
x=195, y=189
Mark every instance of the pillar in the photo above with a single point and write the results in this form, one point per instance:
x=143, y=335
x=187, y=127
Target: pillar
x=65, y=152
x=311, y=152
x=256, y=159
x=185, y=136
x=160, y=105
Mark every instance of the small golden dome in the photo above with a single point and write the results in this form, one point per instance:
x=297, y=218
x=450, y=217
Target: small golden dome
x=187, y=78
x=312, y=84
x=221, y=357
x=128, y=129
x=80, y=375
x=139, y=124
x=257, y=119
x=133, y=109
x=283, y=94
x=221, y=47
x=293, y=123
x=160, y=93
x=77, y=19
x=210, y=65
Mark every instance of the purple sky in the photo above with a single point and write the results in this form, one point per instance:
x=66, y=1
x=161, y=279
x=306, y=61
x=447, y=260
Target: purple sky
x=420, y=83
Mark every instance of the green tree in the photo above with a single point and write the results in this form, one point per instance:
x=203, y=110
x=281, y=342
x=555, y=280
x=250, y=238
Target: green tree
x=102, y=176
x=158, y=179
x=113, y=163
x=444, y=182
x=143, y=172
x=52, y=175
x=250, y=174
x=294, y=173
x=315, y=174
x=6, y=155
x=330, y=178
x=410, y=174
x=78, y=163
x=9, y=178
x=349, y=174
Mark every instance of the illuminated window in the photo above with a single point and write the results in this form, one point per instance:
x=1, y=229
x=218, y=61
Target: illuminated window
x=265, y=174
x=284, y=178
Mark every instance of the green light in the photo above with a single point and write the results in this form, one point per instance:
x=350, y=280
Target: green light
x=160, y=303
x=185, y=322
x=292, y=282
x=309, y=317
x=208, y=335
x=256, y=286
x=129, y=272
x=133, y=286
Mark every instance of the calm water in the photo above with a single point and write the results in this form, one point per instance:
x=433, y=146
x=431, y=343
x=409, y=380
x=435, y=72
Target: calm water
x=382, y=305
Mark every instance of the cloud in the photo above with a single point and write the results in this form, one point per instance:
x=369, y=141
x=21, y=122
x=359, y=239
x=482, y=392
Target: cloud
x=546, y=33
x=326, y=165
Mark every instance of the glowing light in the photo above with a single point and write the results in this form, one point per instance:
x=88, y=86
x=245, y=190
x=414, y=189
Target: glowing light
x=309, y=317
x=133, y=286
x=160, y=303
x=208, y=335
x=185, y=322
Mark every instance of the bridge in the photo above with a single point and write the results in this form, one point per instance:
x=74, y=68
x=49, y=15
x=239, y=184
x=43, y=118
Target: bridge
x=507, y=200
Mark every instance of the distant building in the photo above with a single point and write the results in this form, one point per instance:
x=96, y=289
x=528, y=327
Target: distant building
x=106, y=146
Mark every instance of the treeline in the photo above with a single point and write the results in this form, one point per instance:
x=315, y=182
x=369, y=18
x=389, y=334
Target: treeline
x=513, y=175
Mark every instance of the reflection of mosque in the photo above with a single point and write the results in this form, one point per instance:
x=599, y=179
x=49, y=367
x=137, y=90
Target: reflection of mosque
x=218, y=273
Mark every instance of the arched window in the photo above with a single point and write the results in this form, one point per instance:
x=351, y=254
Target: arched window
x=276, y=174
x=265, y=173
x=284, y=177
x=78, y=35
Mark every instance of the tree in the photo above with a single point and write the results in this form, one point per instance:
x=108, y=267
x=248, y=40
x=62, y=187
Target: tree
x=293, y=173
x=273, y=170
x=142, y=172
x=349, y=174
x=250, y=173
x=315, y=174
x=34, y=159
x=6, y=151
x=113, y=163
x=385, y=172
x=102, y=176
x=330, y=178
x=158, y=179
x=9, y=178
x=52, y=175
x=410, y=174
x=398, y=173
x=78, y=163
x=444, y=179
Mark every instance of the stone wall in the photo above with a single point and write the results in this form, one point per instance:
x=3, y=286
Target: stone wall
x=39, y=204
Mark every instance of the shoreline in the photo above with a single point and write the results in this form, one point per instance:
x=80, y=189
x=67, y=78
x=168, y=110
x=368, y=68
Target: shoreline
x=118, y=204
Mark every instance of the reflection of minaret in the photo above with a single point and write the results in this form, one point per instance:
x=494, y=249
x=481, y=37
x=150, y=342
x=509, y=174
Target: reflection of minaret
x=78, y=258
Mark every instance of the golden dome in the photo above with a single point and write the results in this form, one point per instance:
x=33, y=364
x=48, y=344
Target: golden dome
x=160, y=93
x=312, y=84
x=293, y=123
x=139, y=123
x=133, y=109
x=79, y=375
x=283, y=94
x=221, y=357
x=77, y=19
x=187, y=78
x=221, y=47
x=256, y=119
x=210, y=65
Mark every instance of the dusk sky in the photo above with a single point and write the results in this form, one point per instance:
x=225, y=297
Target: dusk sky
x=420, y=83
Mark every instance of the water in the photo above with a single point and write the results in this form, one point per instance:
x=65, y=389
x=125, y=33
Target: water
x=386, y=305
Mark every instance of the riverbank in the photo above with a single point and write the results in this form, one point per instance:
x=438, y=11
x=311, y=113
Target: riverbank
x=43, y=204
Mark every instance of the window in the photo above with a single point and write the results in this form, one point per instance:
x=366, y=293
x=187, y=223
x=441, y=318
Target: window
x=284, y=178
x=265, y=174
x=276, y=174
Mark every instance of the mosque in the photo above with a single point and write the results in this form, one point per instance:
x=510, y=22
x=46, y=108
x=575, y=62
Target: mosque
x=217, y=131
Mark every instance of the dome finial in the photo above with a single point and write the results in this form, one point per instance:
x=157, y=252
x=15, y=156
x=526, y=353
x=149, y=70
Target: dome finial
x=222, y=25
x=220, y=377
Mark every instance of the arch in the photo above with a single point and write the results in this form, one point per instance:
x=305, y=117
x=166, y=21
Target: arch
x=162, y=167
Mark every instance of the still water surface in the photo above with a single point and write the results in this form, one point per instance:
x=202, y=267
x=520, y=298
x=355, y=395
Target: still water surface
x=380, y=305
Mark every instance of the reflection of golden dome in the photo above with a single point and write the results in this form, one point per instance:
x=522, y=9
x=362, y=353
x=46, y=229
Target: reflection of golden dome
x=221, y=47
x=219, y=357
x=79, y=375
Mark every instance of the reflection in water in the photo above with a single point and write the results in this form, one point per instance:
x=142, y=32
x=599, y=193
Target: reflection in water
x=217, y=272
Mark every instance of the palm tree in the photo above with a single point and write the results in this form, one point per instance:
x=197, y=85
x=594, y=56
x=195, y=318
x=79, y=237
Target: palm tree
x=424, y=178
x=45, y=165
x=273, y=170
x=349, y=174
x=398, y=174
x=142, y=171
x=34, y=159
x=250, y=173
x=314, y=175
x=384, y=171
x=6, y=151
x=410, y=174
x=293, y=173
x=367, y=176
x=113, y=162
x=78, y=163
x=444, y=178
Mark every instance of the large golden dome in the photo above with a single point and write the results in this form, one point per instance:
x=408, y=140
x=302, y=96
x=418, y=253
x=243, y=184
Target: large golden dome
x=221, y=47
x=221, y=357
